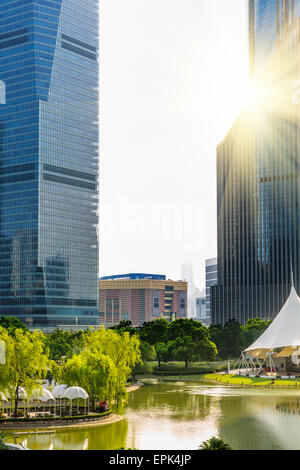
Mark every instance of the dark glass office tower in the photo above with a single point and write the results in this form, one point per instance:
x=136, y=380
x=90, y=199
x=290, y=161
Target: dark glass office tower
x=269, y=22
x=49, y=162
x=258, y=180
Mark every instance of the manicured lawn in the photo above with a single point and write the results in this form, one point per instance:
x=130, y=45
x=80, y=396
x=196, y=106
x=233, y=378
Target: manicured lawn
x=253, y=381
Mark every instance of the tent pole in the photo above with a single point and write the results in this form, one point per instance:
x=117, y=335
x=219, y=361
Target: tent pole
x=238, y=362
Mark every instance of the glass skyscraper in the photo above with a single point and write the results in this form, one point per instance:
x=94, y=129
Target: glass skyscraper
x=269, y=23
x=258, y=178
x=49, y=162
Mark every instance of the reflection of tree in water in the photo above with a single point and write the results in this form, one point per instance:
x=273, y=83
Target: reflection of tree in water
x=108, y=437
x=179, y=402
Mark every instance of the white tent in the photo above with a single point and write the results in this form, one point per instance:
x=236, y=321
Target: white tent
x=75, y=392
x=284, y=331
x=42, y=395
x=59, y=390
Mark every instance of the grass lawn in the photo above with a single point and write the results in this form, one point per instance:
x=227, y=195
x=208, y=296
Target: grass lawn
x=252, y=381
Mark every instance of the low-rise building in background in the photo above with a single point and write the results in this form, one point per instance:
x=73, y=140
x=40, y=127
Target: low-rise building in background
x=141, y=298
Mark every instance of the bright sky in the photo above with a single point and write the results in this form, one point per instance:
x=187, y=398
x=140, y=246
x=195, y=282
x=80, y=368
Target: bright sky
x=173, y=78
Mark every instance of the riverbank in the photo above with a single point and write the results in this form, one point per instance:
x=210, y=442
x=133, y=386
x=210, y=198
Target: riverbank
x=112, y=418
x=238, y=380
x=133, y=387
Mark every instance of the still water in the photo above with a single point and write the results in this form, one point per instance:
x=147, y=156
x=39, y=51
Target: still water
x=181, y=415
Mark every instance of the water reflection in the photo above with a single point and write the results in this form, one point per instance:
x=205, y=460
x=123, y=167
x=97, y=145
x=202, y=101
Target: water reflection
x=181, y=415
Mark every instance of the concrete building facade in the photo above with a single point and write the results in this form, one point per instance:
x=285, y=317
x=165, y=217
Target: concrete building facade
x=141, y=299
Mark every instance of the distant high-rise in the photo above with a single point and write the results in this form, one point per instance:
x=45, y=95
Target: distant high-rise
x=193, y=291
x=258, y=177
x=49, y=162
x=211, y=279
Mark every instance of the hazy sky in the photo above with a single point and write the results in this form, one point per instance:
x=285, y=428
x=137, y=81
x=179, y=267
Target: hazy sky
x=173, y=77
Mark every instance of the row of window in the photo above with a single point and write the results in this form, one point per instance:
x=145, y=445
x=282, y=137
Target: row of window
x=69, y=172
x=60, y=179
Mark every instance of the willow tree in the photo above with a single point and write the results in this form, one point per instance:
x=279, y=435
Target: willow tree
x=123, y=349
x=124, y=352
x=95, y=372
x=26, y=363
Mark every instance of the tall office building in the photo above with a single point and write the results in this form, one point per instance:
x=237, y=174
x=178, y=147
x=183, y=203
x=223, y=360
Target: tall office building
x=49, y=162
x=269, y=23
x=211, y=279
x=258, y=178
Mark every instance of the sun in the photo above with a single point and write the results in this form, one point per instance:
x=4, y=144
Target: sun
x=255, y=94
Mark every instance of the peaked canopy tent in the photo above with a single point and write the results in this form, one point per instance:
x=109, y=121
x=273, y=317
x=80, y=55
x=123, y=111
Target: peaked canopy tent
x=282, y=338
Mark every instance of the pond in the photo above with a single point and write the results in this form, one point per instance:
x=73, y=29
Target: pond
x=181, y=415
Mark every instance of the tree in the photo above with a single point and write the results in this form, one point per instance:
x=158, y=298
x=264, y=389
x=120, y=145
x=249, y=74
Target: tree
x=188, y=327
x=123, y=324
x=253, y=329
x=118, y=354
x=184, y=349
x=27, y=362
x=94, y=371
x=229, y=339
x=163, y=352
x=11, y=324
x=189, y=350
x=147, y=354
x=155, y=331
x=59, y=343
x=214, y=443
x=192, y=341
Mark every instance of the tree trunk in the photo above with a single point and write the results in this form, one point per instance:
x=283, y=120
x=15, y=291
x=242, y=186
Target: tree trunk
x=186, y=365
x=16, y=401
x=159, y=361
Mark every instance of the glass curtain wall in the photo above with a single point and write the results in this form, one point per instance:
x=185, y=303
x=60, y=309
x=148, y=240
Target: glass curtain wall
x=49, y=162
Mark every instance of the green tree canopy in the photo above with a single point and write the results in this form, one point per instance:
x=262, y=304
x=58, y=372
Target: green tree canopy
x=147, y=354
x=93, y=371
x=188, y=327
x=11, y=324
x=155, y=331
x=214, y=443
x=27, y=362
x=164, y=352
x=187, y=349
x=104, y=364
x=253, y=329
x=229, y=340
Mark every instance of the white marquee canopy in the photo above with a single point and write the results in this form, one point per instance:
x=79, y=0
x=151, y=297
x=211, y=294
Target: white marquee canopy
x=284, y=331
x=75, y=392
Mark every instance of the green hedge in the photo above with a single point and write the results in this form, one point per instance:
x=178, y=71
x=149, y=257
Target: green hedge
x=54, y=418
x=170, y=373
